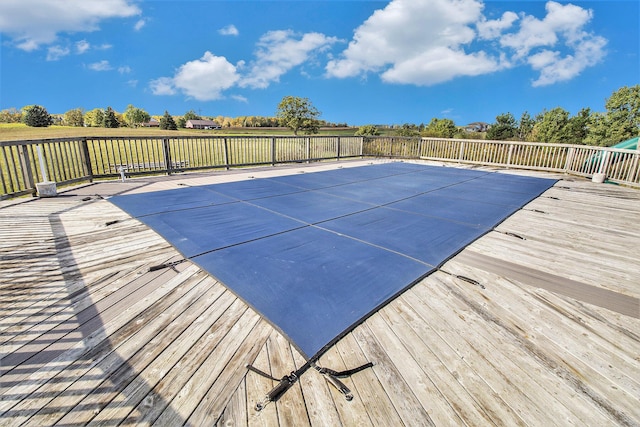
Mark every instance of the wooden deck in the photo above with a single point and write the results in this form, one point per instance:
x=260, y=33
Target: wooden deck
x=550, y=336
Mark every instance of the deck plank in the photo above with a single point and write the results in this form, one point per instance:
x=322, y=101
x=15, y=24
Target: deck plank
x=370, y=391
x=400, y=393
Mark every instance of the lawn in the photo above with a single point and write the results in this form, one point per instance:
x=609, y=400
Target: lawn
x=21, y=132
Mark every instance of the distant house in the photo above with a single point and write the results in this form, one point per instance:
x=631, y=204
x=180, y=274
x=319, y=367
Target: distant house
x=477, y=127
x=202, y=124
x=153, y=123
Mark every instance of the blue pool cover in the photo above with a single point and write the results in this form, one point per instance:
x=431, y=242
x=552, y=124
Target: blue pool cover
x=317, y=253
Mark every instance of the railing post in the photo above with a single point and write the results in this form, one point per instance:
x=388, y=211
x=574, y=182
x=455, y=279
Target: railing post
x=461, y=153
x=420, y=148
x=88, y=166
x=634, y=171
x=27, y=172
x=509, y=155
x=361, y=146
x=307, y=148
x=338, y=149
x=167, y=154
x=226, y=153
x=604, y=162
x=273, y=151
x=569, y=161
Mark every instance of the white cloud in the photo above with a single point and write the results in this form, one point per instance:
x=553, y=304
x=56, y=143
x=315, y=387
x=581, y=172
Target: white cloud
x=563, y=30
x=54, y=53
x=139, y=25
x=229, y=30
x=203, y=79
x=426, y=42
x=555, y=68
x=491, y=29
x=418, y=42
x=103, y=65
x=439, y=65
x=125, y=69
x=560, y=20
x=280, y=51
x=207, y=78
x=240, y=98
x=163, y=86
x=33, y=23
x=82, y=46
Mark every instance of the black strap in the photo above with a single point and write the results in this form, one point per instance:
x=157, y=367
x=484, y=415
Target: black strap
x=344, y=374
x=287, y=381
x=166, y=265
x=259, y=372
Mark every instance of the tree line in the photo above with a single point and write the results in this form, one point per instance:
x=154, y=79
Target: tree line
x=619, y=122
x=299, y=114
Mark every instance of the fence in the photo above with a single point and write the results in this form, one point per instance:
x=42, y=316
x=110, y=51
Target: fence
x=73, y=160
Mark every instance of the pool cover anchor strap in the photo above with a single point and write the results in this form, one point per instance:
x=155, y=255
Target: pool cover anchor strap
x=171, y=264
x=332, y=377
x=288, y=380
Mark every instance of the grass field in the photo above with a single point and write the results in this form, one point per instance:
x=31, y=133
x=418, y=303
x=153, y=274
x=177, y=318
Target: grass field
x=22, y=132
x=143, y=150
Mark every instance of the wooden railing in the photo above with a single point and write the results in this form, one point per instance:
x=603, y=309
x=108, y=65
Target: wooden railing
x=620, y=166
x=71, y=160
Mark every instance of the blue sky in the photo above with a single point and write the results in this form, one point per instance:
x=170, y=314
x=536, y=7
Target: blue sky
x=359, y=62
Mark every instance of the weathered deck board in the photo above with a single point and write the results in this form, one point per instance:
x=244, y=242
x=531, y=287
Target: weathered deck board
x=89, y=336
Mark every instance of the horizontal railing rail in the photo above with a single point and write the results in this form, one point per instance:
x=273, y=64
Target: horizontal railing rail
x=71, y=160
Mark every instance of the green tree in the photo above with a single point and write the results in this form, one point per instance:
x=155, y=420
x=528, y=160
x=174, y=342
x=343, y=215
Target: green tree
x=298, y=114
x=367, y=130
x=505, y=128
x=94, y=118
x=74, y=117
x=191, y=115
x=408, y=129
x=37, y=116
x=134, y=116
x=552, y=126
x=621, y=121
x=10, y=115
x=599, y=131
x=167, y=122
x=440, y=128
x=525, y=127
x=624, y=109
x=578, y=127
x=110, y=119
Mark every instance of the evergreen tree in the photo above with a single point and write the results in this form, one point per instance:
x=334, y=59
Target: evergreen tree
x=37, y=116
x=578, y=127
x=552, y=126
x=167, y=122
x=110, y=120
x=525, y=127
x=505, y=128
x=621, y=121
